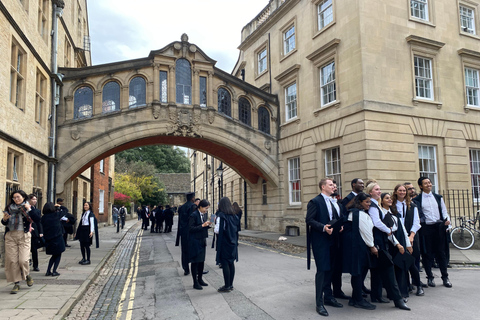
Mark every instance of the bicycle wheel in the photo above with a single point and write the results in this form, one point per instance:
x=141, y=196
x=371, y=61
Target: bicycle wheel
x=462, y=238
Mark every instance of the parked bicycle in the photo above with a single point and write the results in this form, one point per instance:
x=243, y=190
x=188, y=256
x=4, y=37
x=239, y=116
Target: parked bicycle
x=463, y=236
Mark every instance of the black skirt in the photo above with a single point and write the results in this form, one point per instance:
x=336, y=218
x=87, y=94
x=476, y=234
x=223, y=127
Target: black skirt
x=83, y=235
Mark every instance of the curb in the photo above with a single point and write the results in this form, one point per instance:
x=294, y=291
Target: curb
x=68, y=306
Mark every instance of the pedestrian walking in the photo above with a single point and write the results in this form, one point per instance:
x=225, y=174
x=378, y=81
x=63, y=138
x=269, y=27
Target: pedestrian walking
x=227, y=226
x=18, y=222
x=37, y=240
x=53, y=234
x=115, y=215
x=122, y=213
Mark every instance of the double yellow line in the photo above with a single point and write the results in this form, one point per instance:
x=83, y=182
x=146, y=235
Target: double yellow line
x=131, y=281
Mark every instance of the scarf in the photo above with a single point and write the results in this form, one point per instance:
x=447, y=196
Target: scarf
x=16, y=212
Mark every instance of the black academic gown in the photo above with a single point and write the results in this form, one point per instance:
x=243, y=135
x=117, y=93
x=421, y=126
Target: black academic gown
x=197, y=241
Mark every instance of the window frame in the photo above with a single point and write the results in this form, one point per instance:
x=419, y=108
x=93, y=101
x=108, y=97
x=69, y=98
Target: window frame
x=18, y=73
x=132, y=94
x=419, y=78
x=229, y=114
x=202, y=82
x=101, y=201
x=469, y=5
x=258, y=72
x=475, y=176
x=76, y=112
x=430, y=19
x=317, y=12
x=294, y=194
x=188, y=83
x=40, y=98
x=477, y=88
x=43, y=21
x=163, y=83
x=287, y=102
x=101, y=168
x=245, y=115
x=329, y=164
x=292, y=23
x=108, y=103
x=425, y=173
x=324, y=86
x=260, y=119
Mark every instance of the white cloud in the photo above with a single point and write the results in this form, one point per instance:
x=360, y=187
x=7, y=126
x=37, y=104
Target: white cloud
x=124, y=29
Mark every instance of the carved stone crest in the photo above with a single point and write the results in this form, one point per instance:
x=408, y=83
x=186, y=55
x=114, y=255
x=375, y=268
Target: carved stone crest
x=184, y=125
x=156, y=111
x=75, y=134
x=211, y=115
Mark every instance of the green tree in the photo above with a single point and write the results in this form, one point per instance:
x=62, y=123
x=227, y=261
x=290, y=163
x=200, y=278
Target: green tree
x=165, y=158
x=127, y=184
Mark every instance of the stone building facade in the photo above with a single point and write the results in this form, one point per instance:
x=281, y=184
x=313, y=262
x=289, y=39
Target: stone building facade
x=367, y=89
x=31, y=31
x=176, y=185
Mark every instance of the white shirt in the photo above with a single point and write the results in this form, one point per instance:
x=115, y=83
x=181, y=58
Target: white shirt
x=430, y=208
x=365, y=225
x=85, y=220
x=329, y=203
x=416, y=217
x=391, y=237
x=377, y=222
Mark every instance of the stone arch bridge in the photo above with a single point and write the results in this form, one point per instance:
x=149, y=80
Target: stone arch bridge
x=174, y=96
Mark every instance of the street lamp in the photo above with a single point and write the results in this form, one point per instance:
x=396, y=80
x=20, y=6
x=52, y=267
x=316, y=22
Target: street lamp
x=220, y=180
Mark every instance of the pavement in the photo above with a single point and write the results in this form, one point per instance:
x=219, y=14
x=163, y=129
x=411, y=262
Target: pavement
x=54, y=297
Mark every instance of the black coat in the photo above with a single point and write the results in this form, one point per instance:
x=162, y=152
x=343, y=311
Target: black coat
x=320, y=241
x=168, y=217
x=53, y=233
x=227, y=243
x=197, y=241
x=37, y=230
x=356, y=254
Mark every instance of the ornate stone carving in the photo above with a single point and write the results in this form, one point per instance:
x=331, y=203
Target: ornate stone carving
x=188, y=122
x=211, y=115
x=156, y=111
x=75, y=134
x=267, y=144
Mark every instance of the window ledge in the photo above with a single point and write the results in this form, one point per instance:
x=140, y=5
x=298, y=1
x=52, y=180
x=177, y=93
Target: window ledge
x=416, y=101
x=294, y=207
x=285, y=56
x=319, y=32
x=474, y=36
x=468, y=107
x=293, y=120
x=428, y=23
x=261, y=74
x=335, y=104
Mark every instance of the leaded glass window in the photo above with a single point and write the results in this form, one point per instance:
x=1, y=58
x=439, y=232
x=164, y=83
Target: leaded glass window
x=163, y=86
x=263, y=120
x=183, y=78
x=244, y=111
x=137, y=92
x=111, y=97
x=224, y=102
x=203, y=92
x=83, y=103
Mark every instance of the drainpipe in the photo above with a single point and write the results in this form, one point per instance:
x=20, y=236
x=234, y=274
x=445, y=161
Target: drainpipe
x=57, y=12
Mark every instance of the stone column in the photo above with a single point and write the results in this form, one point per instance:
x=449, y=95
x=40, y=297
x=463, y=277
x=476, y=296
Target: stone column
x=195, y=88
x=171, y=85
x=210, y=95
x=97, y=102
x=156, y=83
x=124, y=98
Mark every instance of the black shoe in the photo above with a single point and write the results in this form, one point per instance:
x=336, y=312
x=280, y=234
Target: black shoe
x=423, y=284
x=224, y=289
x=85, y=262
x=333, y=303
x=365, y=290
x=202, y=283
x=67, y=246
x=364, y=305
x=48, y=274
x=186, y=273
x=405, y=299
x=55, y=274
x=431, y=283
x=420, y=291
x=197, y=286
x=342, y=295
x=380, y=300
x=322, y=311
x=400, y=304
x=447, y=283
x=364, y=295
x=205, y=271
x=351, y=302
x=81, y=261
x=36, y=269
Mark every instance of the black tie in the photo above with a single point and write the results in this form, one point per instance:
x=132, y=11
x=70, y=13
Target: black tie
x=403, y=210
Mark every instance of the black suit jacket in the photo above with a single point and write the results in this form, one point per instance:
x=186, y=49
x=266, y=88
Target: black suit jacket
x=320, y=241
x=347, y=199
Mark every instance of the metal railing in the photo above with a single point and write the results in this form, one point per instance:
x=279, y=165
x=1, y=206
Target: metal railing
x=461, y=203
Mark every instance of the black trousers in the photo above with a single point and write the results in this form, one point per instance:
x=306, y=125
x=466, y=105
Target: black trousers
x=152, y=228
x=145, y=223
x=184, y=246
x=228, y=269
x=159, y=226
x=197, y=270
x=384, y=277
x=434, y=237
x=34, y=252
x=357, y=285
x=168, y=228
x=323, y=281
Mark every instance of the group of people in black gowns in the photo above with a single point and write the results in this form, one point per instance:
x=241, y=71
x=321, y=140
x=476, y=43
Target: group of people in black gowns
x=192, y=235
x=159, y=219
x=386, y=234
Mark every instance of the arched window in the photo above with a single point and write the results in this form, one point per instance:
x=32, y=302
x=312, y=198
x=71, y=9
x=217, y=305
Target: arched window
x=111, y=97
x=224, y=102
x=137, y=93
x=83, y=103
x=244, y=111
x=263, y=120
x=183, y=79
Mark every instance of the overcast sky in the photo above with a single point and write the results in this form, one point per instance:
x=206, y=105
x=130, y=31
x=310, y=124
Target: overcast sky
x=125, y=29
